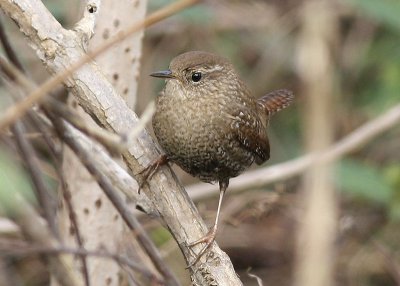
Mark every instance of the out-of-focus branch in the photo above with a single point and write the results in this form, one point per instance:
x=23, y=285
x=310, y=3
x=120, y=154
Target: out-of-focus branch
x=392, y=265
x=20, y=248
x=27, y=152
x=317, y=226
x=32, y=225
x=29, y=156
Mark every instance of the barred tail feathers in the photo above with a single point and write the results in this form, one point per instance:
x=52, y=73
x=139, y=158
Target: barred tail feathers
x=276, y=100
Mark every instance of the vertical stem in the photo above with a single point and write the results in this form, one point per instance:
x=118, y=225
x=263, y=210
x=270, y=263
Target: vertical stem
x=315, y=244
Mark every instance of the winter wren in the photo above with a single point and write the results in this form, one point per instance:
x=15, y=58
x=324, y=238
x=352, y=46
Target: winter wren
x=207, y=122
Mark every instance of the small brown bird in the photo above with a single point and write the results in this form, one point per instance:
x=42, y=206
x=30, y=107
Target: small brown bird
x=207, y=122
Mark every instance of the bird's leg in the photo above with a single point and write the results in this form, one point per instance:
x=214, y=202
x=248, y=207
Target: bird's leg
x=209, y=238
x=151, y=169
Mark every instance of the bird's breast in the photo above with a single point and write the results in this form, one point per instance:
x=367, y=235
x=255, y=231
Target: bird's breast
x=185, y=125
x=196, y=134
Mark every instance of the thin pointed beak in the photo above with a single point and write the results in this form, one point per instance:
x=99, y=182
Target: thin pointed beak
x=163, y=74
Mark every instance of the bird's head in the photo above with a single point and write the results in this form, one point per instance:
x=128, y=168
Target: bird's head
x=198, y=74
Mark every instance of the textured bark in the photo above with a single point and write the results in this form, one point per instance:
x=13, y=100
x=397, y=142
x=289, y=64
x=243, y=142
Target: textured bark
x=122, y=62
x=100, y=224
x=58, y=48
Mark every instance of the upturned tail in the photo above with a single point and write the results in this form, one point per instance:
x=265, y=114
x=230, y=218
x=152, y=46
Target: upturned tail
x=276, y=100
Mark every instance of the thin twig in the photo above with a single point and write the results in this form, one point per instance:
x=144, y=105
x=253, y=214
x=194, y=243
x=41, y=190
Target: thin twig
x=141, y=123
x=258, y=279
x=118, y=176
x=74, y=223
x=64, y=189
x=116, y=200
x=31, y=224
x=110, y=140
x=28, y=155
x=20, y=248
x=121, y=179
x=8, y=49
x=32, y=163
x=16, y=111
x=113, y=142
x=26, y=149
x=49, y=213
x=11, y=71
x=27, y=135
x=392, y=265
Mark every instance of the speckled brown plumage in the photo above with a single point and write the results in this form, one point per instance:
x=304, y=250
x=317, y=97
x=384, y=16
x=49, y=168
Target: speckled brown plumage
x=213, y=129
x=207, y=122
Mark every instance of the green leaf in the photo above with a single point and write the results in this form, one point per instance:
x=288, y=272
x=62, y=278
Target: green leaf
x=13, y=181
x=160, y=235
x=385, y=11
x=392, y=175
x=360, y=179
x=199, y=14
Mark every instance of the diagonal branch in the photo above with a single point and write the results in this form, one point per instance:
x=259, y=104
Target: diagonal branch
x=105, y=163
x=53, y=41
x=116, y=200
x=98, y=98
x=70, y=136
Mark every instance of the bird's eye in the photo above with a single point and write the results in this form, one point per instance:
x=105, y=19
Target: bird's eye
x=196, y=76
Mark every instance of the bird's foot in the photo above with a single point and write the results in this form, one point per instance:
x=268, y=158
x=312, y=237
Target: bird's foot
x=148, y=172
x=208, y=239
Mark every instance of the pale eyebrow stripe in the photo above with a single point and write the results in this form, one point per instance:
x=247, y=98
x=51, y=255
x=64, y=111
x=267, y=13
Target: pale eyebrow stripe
x=215, y=68
x=206, y=69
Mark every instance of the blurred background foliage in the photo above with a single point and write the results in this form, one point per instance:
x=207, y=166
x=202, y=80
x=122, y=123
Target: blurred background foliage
x=260, y=38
